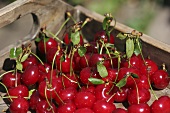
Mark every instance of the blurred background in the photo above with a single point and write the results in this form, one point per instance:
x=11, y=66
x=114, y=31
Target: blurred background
x=151, y=17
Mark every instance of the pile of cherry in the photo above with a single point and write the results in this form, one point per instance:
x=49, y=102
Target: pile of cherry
x=73, y=76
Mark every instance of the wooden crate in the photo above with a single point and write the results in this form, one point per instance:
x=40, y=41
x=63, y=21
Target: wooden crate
x=52, y=14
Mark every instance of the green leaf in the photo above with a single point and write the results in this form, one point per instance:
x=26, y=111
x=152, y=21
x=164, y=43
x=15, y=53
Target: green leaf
x=122, y=82
x=62, y=58
x=137, y=48
x=15, y=52
x=104, y=23
x=129, y=47
x=75, y=38
x=37, y=39
x=81, y=51
x=102, y=70
x=24, y=57
x=19, y=66
x=96, y=81
x=121, y=36
x=109, y=45
x=134, y=75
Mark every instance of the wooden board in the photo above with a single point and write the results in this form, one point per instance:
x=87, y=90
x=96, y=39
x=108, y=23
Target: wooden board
x=52, y=14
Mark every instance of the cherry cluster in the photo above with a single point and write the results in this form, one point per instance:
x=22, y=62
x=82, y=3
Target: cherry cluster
x=73, y=76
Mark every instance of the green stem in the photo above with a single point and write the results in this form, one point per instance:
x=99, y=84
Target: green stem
x=6, y=91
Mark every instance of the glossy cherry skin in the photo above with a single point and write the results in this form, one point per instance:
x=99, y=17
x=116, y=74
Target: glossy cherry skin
x=64, y=66
x=160, y=79
x=65, y=95
x=68, y=107
x=84, y=61
x=45, y=46
x=84, y=99
x=162, y=105
x=139, y=108
x=88, y=89
x=84, y=110
x=121, y=95
x=101, y=35
x=144, y=96
x=30, y=75
x=46, y=67
x=120, y=110
x=9, y=79
x=43, y=107
x=19, y=91
x=101, y=106
x=19, y=105
x=31, y=60
x=112, y=74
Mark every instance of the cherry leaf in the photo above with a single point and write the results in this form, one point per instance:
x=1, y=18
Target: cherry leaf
x=19, y=66
x=104, y=23
x=121, y=36
x=102, y=70
x=81, y=51
x=129, y=47
x=37, y=39
x=15, y=52
x=24, y=57
x=75, y=38
x=137, y=48
x=96, y=81
x=122, y=82
x=109, y=45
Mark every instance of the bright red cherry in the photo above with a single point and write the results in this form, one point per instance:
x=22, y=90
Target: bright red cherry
x=19, y=105
x=101, y=106
x=84, y=61
x=68, y=107
x=139, y=108
x=121, y=95
x=31, y=60
x=84, y=110
x=162, y=105
x=84, y=99
x=120, y=110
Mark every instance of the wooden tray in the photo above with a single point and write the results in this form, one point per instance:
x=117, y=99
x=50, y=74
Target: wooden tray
x=52, y=14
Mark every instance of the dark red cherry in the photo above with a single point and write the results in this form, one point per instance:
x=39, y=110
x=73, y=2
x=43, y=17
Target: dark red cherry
x=31, y=60
x=43, y=107
x=84, y=61
x=19, y=105
x=46, y=67
x=162, y=105
x=84, y=110
x=160, y=79
x=121, y=95
x=92, y=48
x=84, y=99
x=45, y=45
x=139, y=108
x=11, y=78
x=101, y=35
x=70, y=80
x=101, y=106
x=120, y=110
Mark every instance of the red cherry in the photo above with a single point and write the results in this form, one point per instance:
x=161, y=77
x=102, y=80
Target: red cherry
x=31, y=60
x=9, y=79
x=160, y=79
x=88, y=89
x=67, y=108
x=44, y=68
x=162, y=105
x=112, y=74
x=84, y=110
x=45, y=46
x=70, y=81
x=121, y=95
x=19, y=91
x=84, y=61
x=101, y=106
x=30, y=75
x=120, y=110
x=139, y=108
x=43, y=107
x=84, y=99
x=143, y=82
x=143, y=96
x=92, y=48
x=19, y=105
x=101, y=35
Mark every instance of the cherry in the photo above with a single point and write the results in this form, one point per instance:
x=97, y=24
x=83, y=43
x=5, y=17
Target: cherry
x=112, y=74
x=65, y=95
x=101, y=35
x=160, y=79
x=45, y=45
x=30, y=75
x=120, y=110
x=44, y=107
x=101, y=106
x=19, y=91
x=84, y=99
x=88, y=89
x=92, y=48
x=44, y=68
x=143, y=82
x=84, y=110
x=139, y=108
x=121, y=95
x=143, y=95
x=68, y=107
x=9, y=79
x=162, y=105
x=70, y=81
x=64, y=66
x=84, y=61
x=34, y=99
x=31, y=60
x=19, y=105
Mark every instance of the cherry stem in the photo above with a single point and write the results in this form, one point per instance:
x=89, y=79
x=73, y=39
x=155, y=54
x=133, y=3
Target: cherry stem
x=62, y=26
x=16, y=77
x=47, y=99
x=110, y=97
x=59, y=97
x=69, y=78
x=37, y=58
x=6, y=91
x=137, y=90
x=6, y=73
